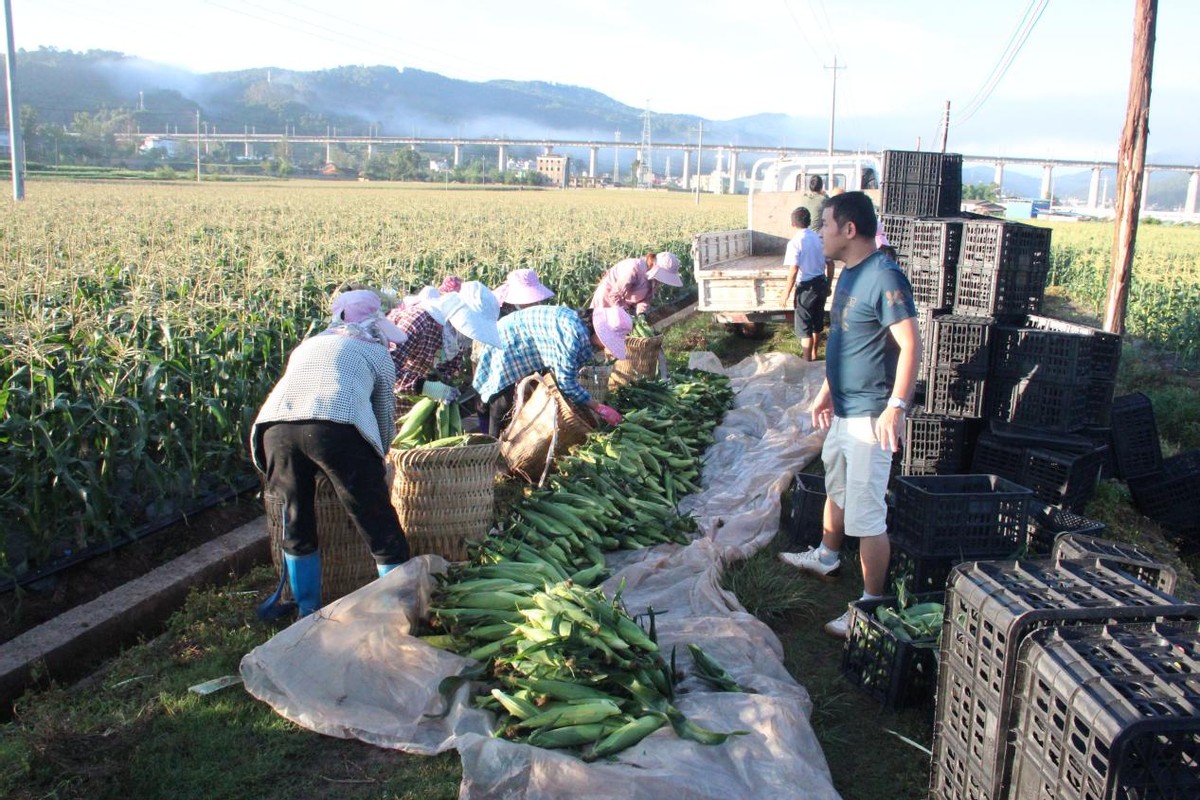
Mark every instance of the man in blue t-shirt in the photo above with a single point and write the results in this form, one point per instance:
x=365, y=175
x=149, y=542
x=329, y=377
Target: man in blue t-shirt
x=870, y=373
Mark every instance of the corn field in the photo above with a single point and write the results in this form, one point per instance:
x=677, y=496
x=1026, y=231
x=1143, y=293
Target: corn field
x=1164, y=293
x=143, y=325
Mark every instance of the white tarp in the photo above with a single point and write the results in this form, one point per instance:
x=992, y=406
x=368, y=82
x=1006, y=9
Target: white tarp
x=354, y=671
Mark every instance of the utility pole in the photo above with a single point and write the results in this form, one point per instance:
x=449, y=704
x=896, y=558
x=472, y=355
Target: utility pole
x=197, y=145
x=699, y=153
x=832, y=113
x=1131, y=164
x=617, y=158
x=16, y=150
x=945, y=125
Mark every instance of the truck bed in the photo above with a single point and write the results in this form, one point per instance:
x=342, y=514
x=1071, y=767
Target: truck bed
x=750, y=283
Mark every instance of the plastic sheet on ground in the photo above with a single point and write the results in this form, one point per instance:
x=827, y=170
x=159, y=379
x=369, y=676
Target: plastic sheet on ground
x=354, y=671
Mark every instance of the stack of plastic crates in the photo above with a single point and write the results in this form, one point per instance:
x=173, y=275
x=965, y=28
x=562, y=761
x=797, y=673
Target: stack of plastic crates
x=896, y=672
x=803, y=511
x=941, y=520
x=991, y=608
x=1052, y=374
x=1078, y=545
x=921, y=184
x=959, y=354
x=1108, y=712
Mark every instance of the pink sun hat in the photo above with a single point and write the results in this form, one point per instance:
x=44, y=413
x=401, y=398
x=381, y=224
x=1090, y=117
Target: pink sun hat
x=665, y=269
x=522, y=288
x=612, y=326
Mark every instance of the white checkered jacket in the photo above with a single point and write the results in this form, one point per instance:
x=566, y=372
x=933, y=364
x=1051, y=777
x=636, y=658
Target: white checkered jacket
x=333, y=378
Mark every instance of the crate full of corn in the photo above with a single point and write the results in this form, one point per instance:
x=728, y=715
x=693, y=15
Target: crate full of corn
x=891, y=647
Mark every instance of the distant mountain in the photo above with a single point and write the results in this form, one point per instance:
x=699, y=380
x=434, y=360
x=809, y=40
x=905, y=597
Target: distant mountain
x=58, y=84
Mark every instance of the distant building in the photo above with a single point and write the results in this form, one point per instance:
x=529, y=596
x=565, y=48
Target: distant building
x=168, y=147
x=983, y=207
x=556, y=168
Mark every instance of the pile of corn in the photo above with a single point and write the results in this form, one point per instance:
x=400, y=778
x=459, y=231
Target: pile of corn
x=561, y=664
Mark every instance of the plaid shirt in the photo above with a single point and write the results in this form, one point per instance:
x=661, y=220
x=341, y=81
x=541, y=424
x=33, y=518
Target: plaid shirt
x=333, y=378
x=536, y=339
x=415, y=358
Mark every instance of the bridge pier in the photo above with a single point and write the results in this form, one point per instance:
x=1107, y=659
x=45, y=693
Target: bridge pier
x=1145, y=191
x=1047, y=181
x=502, y=160
x=1094, y=189
x=457, y=155
x=1189, y=205
x=592, y=153
x=687, y=169
x=733, y=159
x=998, y=178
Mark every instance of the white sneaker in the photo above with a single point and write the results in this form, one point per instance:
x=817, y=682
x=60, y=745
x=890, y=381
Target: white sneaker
x=810, y=561
x=840, y=627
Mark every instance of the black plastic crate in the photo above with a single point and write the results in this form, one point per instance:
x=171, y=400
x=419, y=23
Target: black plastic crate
x=1136, y=448
x=897, y=673
x=1099, y=401
x=1044, y=347
x=991, y=606
x=803, y=512
x=1048, y=523
x=917, y=199
x=1026, y=436
x=960, y=342
x=936, y=445
x=921, y=166
x=1171, y=497
x=933, y=261
x=1066, y=480
x=962, y=741
x=1079, y=544
x=1101, y=439
x=898, y=229
x=956, y=392
x=995, y=457
x=1108, y=712
x=925, y=317
x=1053, y=405
x=969, y=516
x=997, y=293
x=918, y=572
x=1004, y=247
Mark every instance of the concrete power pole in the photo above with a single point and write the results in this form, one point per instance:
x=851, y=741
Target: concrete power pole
x=16, y=150
x=945, y=125
x=197, y=145
x=1131, y=164
x=832, y=114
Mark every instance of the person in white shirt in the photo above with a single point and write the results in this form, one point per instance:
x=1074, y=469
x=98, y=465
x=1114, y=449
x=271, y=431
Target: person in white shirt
x=805, y=259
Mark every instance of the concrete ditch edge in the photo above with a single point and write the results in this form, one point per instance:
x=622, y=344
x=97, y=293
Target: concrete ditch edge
x=66, y=647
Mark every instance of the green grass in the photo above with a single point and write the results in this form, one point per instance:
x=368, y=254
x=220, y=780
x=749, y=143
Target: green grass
x=133, y=730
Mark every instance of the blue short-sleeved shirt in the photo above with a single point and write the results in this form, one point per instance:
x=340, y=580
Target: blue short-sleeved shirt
x=861, y=355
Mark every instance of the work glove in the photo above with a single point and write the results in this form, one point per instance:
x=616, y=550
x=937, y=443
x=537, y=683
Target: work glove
x=439, y=391
x=608, y=414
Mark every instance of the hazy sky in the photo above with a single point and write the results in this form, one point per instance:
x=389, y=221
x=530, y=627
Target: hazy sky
x=1063, y=95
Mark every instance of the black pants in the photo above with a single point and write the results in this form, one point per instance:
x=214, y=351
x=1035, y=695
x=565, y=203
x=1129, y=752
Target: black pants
x=500, y=410
x=297, y=452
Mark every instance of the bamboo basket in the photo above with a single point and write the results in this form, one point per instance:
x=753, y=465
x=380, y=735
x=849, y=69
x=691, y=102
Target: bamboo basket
x=594, y=379
x=444, y=495
x=641, y=361
x=544, y=425
x=346, y=560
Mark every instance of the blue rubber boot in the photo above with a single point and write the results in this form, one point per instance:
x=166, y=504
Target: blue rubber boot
x=384, y=569
x=304, y=578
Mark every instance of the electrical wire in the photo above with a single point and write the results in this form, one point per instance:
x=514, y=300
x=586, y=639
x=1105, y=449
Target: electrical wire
x=812, y=49
x=1002, y=67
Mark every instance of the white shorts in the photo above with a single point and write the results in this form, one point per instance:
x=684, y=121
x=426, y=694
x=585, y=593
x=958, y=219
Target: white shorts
x=856, y=474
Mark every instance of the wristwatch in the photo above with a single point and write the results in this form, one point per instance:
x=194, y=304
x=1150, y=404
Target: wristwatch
x=896, y=402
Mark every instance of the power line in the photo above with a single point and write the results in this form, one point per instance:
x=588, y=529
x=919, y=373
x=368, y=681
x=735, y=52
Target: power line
x=1002, y=67
x=800, y=28
x=827, y=28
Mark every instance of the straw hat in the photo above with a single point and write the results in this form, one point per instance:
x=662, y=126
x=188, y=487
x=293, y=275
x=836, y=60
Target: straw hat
x=522, y=288
x=612, y=326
